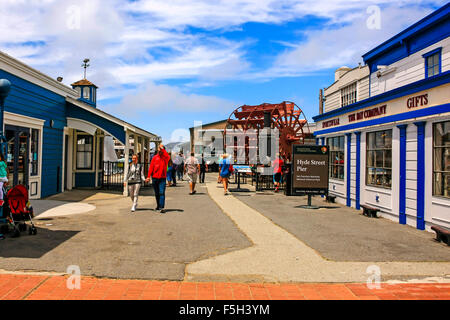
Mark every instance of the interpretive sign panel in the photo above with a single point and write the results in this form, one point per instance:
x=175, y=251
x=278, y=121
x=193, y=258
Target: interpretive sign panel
x=310, y=170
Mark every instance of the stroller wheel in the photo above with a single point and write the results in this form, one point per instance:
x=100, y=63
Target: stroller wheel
x=16, y=232
x=34, y=231
x=30, y=231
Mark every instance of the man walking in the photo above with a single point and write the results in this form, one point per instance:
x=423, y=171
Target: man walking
x=203, y=169
x=158, y=173
x=192, y=167
x=277, y=166
x=180, y=166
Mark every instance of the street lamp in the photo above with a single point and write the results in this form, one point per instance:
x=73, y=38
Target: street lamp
x=5, y=87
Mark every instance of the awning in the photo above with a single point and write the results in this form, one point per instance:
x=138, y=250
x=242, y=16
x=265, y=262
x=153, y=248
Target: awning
x=90, y=120
x=81, y=125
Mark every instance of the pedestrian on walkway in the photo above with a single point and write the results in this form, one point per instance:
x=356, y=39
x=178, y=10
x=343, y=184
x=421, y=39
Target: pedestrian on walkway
x=135, y=177
x=203, y=169
x=158, y=173
x=174, y=170
x=170, y=173
x=180, y=166
x=219, y=178
x=277, y=166
x=192, y=168
x=226, y=169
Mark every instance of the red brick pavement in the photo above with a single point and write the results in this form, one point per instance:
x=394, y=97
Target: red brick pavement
x=31, y=287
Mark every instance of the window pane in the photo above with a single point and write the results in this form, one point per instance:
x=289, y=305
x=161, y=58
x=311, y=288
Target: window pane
x=84, y=151
x=370, y=158
x=379, y=159
x=442, y=134
x=371, y=141
x=441, y=163
x=388, y=139
x=388, y=159
x=436, y=59
x=436, y=70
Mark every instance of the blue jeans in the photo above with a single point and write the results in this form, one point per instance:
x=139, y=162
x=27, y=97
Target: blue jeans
x=159, y=185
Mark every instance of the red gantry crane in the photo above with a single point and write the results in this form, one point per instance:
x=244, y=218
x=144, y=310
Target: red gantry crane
x=287, y=117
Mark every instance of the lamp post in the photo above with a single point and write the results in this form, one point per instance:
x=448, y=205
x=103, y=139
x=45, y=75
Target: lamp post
x=5, y=87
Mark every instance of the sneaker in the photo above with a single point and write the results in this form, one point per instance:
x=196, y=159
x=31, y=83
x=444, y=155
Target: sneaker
x=157, y=209
x=162, y=211
x=133, y=209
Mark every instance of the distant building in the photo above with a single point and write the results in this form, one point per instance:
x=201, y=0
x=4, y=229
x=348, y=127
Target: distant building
x=388, y=126
x=203, y=139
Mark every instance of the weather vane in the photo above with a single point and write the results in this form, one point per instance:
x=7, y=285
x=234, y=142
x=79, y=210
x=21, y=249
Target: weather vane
x=85, y=65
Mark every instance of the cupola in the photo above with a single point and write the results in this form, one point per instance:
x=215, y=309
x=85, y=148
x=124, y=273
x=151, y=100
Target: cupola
x=87, y=91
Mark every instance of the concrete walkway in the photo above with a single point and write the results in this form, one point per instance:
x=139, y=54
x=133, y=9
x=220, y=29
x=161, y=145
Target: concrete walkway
x=278, y=256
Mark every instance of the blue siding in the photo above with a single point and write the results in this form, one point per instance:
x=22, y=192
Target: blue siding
x=33, y=101
x=402, y=196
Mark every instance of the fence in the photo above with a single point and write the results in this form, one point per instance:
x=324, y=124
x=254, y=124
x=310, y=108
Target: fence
x=113, y=175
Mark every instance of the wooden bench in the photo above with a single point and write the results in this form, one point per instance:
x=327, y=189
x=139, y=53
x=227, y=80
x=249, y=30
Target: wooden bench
x=331, y=199
x=442, y=234
x=369, y=211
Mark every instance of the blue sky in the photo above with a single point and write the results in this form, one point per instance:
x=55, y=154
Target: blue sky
x=163, y=64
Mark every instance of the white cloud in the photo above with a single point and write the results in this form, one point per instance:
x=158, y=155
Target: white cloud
x=152, y=98
x=149, y=40
x=335, y=46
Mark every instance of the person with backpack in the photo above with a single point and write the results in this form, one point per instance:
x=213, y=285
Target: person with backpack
x=135, y=178
x=225, y=169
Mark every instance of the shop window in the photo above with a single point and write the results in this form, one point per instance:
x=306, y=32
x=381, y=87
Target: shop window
x=85, y=147
x=34, y=152
x=337, y=157
x=348, y=95
x=433, y=63
x=441, y=166
x=379, y=159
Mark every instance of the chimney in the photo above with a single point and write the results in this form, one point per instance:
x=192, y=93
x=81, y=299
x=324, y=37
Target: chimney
x=340, y=72
x=321, y=102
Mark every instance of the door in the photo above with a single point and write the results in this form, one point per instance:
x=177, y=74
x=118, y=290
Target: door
x=17, y=157
x=66, y=160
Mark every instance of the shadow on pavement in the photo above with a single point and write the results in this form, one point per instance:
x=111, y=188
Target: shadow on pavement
x=34, y=247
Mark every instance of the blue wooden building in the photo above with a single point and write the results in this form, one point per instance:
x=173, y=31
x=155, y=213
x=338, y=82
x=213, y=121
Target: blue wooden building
x=56, y=133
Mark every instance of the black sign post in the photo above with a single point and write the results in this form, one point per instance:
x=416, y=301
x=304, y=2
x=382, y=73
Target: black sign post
x=310, y=171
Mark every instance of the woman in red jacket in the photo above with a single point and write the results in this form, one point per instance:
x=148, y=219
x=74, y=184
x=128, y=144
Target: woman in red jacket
x=158, y=173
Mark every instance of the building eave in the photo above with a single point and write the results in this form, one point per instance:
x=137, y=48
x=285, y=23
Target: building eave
x=16, y=67
x=430, y=20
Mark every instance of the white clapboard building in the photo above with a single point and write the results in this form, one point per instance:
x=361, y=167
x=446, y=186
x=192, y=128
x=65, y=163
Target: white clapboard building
x=388, y=126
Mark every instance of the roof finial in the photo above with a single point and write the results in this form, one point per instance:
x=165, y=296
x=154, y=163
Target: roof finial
x=85, y=65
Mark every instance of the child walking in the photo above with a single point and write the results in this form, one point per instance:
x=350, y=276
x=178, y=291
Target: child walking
x=3, y=176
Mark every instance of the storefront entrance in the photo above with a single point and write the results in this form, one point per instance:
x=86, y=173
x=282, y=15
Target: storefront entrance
x=18, y=139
